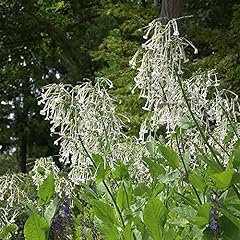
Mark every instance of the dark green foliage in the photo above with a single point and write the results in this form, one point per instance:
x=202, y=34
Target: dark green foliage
x=215, y=29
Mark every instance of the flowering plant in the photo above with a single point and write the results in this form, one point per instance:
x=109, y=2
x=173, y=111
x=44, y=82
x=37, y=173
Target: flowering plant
x=182, y=183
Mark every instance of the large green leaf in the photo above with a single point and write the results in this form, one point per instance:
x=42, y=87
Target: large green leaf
x=223, y=180
x=153, y=216
x=124, y=197
x=197, y=181
x=97, y=159
x=170, y=155
x=46, y=190
x=121, y=171
x=104, y=212
x=110, y=232
x=6, y=230
x=51, y=210
x=155, y=169
x=127, y=232
x=202, y=217
x=36, y=228
x=235, y=220
x=151, y=145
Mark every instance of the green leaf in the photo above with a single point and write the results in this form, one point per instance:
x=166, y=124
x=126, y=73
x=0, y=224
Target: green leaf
x=41, y=170
x=236, y=154
x=127, y=232
x=223, y=180
x=110, y=232
x=170, y=155
x=6, y=230
x=154, y=168
x=102, y=173
x=158, y=189
x=97, y=159
x=202, y=217
x=121, y=171
x=142, y=190
x=87, y=193
x=102, y=170
x=153, y=216
x=185, y=123
x=186, y=212
x=120, y=197
x=208, y=160
x=197, y=181
x=230, y=230
x=230, y=216
x=51, y=210
x=104, y=212
x=36, y=228
x=151, y=145
x=46, y=190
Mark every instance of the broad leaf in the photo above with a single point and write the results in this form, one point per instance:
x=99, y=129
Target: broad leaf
x=153, y=216
x=202, y=217
x=46, y=190
x=155, y=169
x=170, y=155
x=110, y=232
x=121, y=171
x=197, y=181
x=104, y=212
x=151, y=145
x=51, y=210
x=36, y=228
x=223, y=180
x=127, y=232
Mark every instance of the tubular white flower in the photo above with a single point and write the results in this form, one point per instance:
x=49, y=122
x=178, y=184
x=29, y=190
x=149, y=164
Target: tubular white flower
x=85, y=118
x=159, y=73
x=11, y=198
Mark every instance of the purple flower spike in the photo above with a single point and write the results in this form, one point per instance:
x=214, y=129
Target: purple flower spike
x=213, y=212
x=214, y=224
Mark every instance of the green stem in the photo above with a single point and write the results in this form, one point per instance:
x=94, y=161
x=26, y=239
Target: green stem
x=230, y=121
x=186, y=171
x=197, y=124
x=104, y=183
x=202, y=133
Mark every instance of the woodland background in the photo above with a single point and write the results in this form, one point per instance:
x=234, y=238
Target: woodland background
x=47, y=41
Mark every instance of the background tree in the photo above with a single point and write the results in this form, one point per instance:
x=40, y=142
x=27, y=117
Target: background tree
x=50, y=41
x=171, y=9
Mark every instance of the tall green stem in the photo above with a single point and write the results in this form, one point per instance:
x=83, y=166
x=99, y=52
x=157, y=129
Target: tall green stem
x=185, y=168
x=197, y=124
x=104, y=183
x=202, y=133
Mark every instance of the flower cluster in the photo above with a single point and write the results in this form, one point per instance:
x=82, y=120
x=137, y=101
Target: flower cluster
x=85, y=119
x=42, y=168
x=214, y=213
x=11, y=198
x=160, y=79
x=63, y=225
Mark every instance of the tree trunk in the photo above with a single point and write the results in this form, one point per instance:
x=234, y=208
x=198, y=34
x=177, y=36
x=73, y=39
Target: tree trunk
x=171, y=9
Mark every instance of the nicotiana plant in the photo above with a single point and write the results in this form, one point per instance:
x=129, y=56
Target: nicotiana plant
x=179, y=180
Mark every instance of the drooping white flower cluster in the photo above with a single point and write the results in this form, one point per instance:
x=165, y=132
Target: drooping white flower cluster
x=42, y=168
x=162, y=54
x=130, y=152
x=161, y=82
x=11, y=198
x=85, y=118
